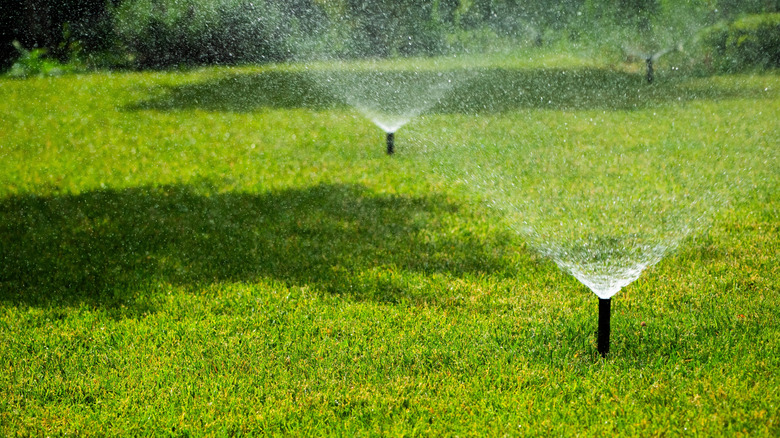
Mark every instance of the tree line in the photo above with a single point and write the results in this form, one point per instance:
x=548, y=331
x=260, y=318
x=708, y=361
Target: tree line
x=164, y=33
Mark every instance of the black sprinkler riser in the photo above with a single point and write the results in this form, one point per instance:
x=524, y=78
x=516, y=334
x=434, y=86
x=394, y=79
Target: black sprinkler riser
x=390, y=143
x=650, y=73
x=603, y=336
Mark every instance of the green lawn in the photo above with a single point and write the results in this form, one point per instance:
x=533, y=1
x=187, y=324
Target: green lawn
x=228, y=251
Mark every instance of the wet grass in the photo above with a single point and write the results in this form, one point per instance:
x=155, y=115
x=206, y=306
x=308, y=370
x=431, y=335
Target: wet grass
x=221, y=251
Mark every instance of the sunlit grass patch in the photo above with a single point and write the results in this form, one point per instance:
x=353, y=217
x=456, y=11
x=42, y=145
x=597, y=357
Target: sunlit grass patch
x=219, y=251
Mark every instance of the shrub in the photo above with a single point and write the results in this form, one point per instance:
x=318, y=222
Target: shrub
x=35, y=63
x=755, y=40
x=164, y=33
x=750, y=42
x=394, y=27
x=56, y=26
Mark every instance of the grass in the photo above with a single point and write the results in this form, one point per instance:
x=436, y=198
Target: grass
x=229, y=251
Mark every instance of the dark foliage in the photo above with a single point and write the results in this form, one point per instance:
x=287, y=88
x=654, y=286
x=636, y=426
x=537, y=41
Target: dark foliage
x=750, y=42
x=162, y=33
x=60, y=27
x=387, y=27
x=165, y=33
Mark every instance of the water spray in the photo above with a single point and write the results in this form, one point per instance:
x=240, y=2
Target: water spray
x=650, y=59
x=390, y=143
x=603, y=335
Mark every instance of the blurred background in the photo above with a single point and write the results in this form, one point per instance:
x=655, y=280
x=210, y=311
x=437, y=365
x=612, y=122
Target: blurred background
x=47, y=36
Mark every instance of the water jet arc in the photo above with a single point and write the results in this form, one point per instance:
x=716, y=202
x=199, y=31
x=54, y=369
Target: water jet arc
x=603, y=336
x=390, y=143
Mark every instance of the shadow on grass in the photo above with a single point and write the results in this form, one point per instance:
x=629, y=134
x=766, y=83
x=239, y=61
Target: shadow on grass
x=502, y=90
x=106, y=247
x=491, y=90
x=242, y=93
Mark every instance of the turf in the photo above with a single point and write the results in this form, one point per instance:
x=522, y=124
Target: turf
x=229, y=251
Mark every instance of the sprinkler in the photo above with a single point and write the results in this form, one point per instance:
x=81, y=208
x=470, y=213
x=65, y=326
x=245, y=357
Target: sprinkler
x=603, y=336
x=650, y=59
x=390, y=143
x=650, y=75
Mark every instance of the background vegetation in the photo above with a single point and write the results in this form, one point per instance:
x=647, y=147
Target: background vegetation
x=166, y=33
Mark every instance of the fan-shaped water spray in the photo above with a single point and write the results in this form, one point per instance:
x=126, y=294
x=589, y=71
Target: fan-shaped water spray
x=651, y=58
x=387, y=96
x=595, y=208
x=375, y=58
x=604, y=213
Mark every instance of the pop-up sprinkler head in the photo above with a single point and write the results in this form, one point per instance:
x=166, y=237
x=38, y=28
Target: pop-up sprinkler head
x=390, y=143
x=650, y=74
x=603, y=336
